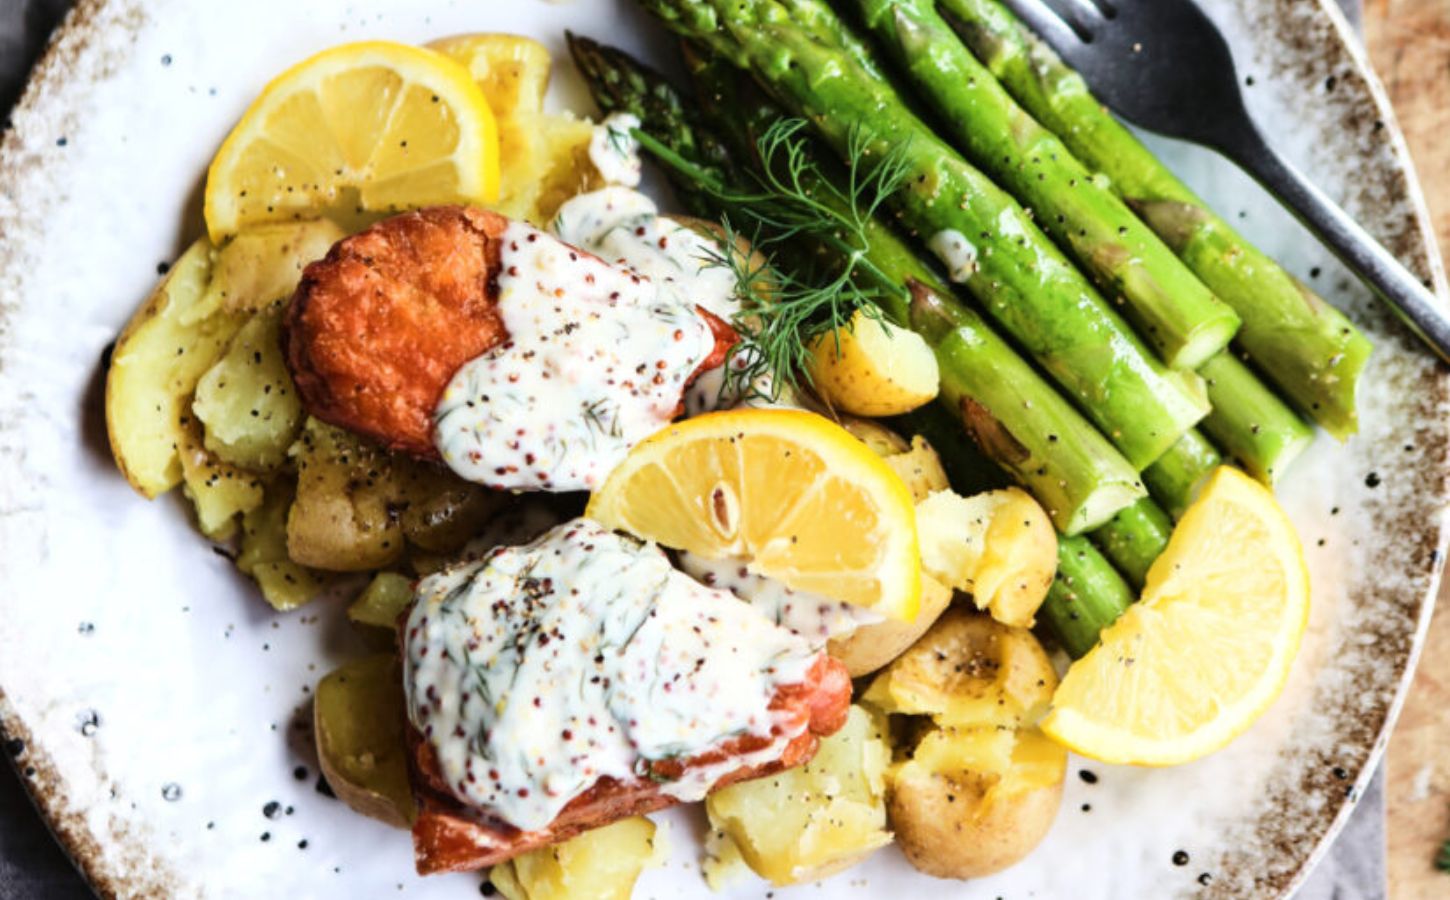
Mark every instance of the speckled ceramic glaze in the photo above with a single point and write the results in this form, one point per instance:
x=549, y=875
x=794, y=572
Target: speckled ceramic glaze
x=158, y=708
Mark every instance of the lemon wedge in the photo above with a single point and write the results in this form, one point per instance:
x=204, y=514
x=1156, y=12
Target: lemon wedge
x=1207, y=649
x=789, y=493
x=367, y=127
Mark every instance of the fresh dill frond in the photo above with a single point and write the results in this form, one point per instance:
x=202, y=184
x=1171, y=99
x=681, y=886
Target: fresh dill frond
x=793, y=297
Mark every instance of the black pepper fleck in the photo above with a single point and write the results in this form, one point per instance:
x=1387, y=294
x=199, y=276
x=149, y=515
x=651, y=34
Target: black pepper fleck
x=272, y=809
x=171, y=792
x=1372, y=480
x=1088, y=776
x=1180, y=858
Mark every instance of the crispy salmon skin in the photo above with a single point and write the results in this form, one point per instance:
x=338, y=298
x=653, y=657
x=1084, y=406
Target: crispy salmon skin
x=449, y=837
x=378, y=328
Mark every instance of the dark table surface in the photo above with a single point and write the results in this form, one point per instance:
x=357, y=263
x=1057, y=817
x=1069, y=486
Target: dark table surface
x=32, y=865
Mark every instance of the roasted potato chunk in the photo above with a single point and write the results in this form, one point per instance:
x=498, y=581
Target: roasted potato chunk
x=998, y=546
x=261, y=266
x=285, y=584
x=873, y=368
x=358, y=715
x=971, y=802
x=357, y=505
x=968, y=670
x=870, y=647
x=884, y=442
x=920, y=468
x=382, y=601
x=980, y=784
x=182, y=330
x=158, y=358
x=219, y=492
x=603, y=863
x=247, y=401
x=514, y=73
x=814, y=820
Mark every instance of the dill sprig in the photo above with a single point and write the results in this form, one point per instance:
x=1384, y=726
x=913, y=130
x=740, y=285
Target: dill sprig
x=789, y=298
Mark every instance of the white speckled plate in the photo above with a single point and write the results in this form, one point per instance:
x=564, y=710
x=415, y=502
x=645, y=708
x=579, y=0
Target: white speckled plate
x=153, y=701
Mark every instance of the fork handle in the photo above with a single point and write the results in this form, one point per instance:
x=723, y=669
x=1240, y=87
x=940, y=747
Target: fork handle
x=1367, y=258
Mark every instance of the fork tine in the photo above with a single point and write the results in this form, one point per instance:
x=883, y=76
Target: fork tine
x=1044, y=20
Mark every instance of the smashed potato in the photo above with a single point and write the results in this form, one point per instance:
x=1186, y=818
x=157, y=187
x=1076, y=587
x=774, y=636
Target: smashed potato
x=873, y=368
x=920, y=467
x=973, y=801
x=968, y=670
x=870, y=647
x=884, y=442
x=998, y=546
x=358, y=506
x=156, y=363
x=358, y=716
x=246, y=400
x=981, y=784
x=219, y=492
x=382, y=601
x=602, y=864
x=285, y=584
x=811, y=821
x=261, y=266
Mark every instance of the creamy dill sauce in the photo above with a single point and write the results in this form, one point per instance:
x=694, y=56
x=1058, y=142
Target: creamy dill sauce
x=596, y=361
x=542, y=668
x=957, y=253
x=614, y=152
x=598, y=352
x=813, y=617
x=624, y=226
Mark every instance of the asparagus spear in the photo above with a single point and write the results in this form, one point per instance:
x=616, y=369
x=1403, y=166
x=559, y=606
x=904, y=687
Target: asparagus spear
x=1021, y=279
x=619, y=83
x=1305, y=346
x=1172, y=309
x=1246, y=419
x=1088, y=594
x=1019, y=420
x=1176, y=477
x=1249, y=422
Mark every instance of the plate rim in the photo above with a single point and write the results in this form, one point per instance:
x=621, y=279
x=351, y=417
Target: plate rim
x=109, y=876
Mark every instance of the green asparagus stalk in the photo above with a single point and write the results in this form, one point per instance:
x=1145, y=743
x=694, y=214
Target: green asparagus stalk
x=1018, y=275
x=1171, y=308
x=619, y=83
x=1082, y=213
x=1018, y=419
x=1305, y=346
x=1100, y=593
x=1249, y=422
x=1175, y=479
x=1087, y=594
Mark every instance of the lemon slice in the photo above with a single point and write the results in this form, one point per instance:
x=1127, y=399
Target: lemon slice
x=791, y=494
x=367, y=127
x=1209, y=647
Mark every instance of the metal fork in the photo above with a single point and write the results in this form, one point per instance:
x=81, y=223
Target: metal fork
x=1162, y=64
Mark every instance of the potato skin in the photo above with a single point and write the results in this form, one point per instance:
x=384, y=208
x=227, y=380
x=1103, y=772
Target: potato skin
x=870, y=647
x=358, y=718
x=155, y=365
x=947, y=829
